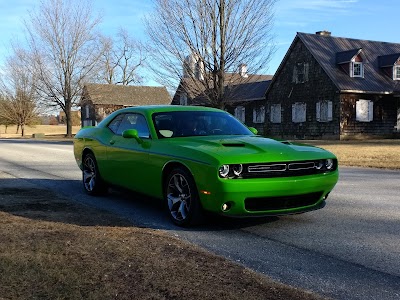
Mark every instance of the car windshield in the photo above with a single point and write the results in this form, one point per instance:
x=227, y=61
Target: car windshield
x=195, y=123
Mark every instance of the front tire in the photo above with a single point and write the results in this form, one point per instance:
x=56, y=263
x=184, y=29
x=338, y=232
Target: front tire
x=181, y=196
x=91, y=179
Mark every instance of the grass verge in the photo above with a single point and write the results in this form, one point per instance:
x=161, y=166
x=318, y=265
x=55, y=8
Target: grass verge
x=54, y=249
x=368, y=153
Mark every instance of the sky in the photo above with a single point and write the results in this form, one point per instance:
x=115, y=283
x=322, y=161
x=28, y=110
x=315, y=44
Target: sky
x=359, y=19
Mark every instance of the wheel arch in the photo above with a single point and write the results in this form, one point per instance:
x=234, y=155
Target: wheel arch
x=168, y=167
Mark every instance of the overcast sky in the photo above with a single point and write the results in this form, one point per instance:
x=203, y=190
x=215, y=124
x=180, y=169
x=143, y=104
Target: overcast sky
x=361, y=19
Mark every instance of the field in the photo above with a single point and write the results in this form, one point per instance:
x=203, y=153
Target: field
x=48, y=130
x=368, y=153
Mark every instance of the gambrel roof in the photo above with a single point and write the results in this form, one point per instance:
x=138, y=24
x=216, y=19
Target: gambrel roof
x=331, y=52
x=125, y=95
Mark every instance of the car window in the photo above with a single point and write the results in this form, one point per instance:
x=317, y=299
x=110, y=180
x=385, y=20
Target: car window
x=196, y=123
x=114, y=124
x=134, y=121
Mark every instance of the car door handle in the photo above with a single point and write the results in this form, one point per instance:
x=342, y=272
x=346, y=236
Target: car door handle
x=112, y=142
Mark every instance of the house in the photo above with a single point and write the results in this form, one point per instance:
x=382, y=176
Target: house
x=333, y=87
x=244, y=93
x=100, y=100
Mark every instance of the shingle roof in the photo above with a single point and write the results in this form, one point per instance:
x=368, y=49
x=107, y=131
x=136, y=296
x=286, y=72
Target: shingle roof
x=249, y=91
x=126, y=95
x=238, y=88
x=325, y=48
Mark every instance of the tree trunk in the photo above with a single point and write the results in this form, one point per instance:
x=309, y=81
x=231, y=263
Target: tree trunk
x=22, y=129
x=17, y=129
x=68, y=118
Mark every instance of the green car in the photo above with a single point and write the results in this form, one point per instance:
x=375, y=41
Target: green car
x=199, y=159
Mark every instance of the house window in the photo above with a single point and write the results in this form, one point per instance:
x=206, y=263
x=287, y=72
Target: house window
x=364, y=110
x=183, y=99
x=357, y=69
x=299, y=112
x=324, y=111
x=87, y=123
x=87, y=112
x=259, y=114
x=300, y=73
x=276, y=113
x=396, y=72
x=240, y=113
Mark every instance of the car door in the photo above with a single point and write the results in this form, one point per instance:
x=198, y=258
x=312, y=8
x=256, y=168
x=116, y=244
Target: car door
x=127, y=157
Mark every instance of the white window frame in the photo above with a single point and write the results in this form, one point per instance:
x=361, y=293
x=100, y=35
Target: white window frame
x=240, y=113
x=299, y=112
x=364, y=110
x=276, y=113
x=353, y=65
x=396, y=72
x=259, y=114
x=324, y=111
x=183, y=99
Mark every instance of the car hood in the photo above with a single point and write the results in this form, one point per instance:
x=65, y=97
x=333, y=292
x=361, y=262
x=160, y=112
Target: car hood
x=252, y=149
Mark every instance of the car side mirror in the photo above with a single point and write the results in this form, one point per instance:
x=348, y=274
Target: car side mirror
x=132, y=134
x=253, y=130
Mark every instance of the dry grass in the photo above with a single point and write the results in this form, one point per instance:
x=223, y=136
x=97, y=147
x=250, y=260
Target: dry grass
x=368, y=153
x=53, y=249
x=48, y=130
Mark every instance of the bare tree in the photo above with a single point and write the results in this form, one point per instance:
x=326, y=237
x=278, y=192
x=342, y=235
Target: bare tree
x=65, y=51
x=18, y=105
x=214, y=36
x=121, y=59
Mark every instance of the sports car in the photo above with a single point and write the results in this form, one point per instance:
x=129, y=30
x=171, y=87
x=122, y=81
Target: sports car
x=201, y=159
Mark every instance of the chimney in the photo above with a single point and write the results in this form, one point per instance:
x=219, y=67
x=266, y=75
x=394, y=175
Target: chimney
x=323, y=33
x=243, y=70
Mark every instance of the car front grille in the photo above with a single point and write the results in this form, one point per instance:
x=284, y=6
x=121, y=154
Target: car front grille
x=287, y=169
x=285, y=202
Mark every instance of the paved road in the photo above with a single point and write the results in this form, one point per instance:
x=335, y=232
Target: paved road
x=348, y=250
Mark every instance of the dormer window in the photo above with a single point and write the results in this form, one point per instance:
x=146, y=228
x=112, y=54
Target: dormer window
x=390, y=65
x=396, y=73
x=351, y=62
x=358, y=69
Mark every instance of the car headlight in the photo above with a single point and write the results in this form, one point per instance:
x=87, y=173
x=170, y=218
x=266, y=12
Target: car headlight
x=224, y=171
x=329, y=164
x=230, y=171
x=319, y=164
x=237, y=169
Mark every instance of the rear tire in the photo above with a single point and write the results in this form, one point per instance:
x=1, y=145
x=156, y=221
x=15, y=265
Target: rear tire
x=182, y=198
x=91, y=179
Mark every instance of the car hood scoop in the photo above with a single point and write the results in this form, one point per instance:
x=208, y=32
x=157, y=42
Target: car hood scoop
x=233, y=144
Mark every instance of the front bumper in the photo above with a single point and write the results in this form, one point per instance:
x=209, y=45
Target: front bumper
x=269, y=196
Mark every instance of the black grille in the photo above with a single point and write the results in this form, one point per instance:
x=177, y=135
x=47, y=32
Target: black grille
x=285, y=202
x=284, y=169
